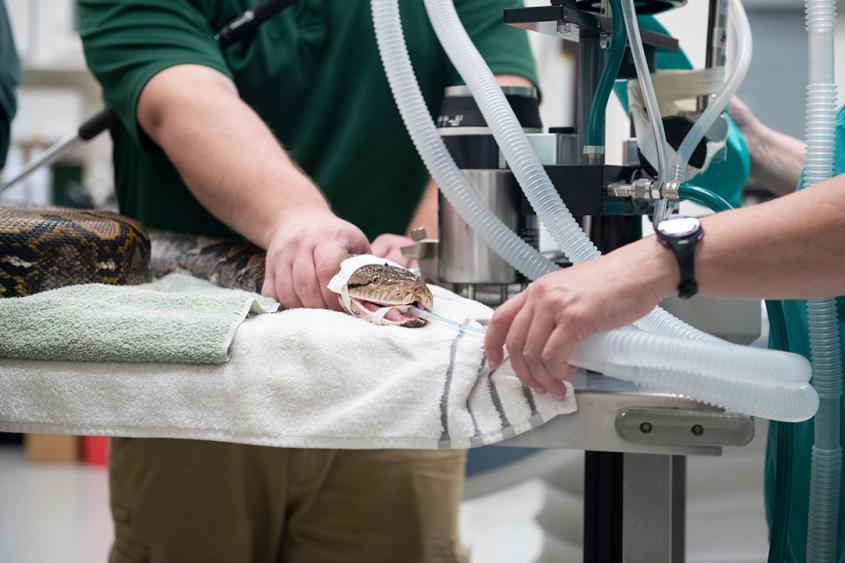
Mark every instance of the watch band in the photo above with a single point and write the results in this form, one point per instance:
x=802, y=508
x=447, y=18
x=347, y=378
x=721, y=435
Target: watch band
x=682, y=244
x=684, y=251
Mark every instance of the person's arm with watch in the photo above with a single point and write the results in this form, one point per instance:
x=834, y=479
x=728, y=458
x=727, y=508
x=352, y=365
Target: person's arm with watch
x=789, y=248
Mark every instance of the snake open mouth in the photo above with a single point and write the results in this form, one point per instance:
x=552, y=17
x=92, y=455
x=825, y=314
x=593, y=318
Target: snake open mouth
x=379, y=291
x=390, y=313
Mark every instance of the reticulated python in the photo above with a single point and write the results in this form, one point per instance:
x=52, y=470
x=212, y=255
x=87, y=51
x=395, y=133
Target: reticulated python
x=48, y=248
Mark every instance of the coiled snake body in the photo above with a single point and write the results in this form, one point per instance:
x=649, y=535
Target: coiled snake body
x=48, y=248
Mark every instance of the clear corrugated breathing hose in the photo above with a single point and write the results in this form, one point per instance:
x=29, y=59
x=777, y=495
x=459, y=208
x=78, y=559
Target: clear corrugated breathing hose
x=779, y=340
x=822, y=315
x=451, y=181
x=661, y=208
x=741, y=33
x=527, y=168
x=776, y=387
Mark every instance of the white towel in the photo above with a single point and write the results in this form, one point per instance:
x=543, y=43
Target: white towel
x=300, y=378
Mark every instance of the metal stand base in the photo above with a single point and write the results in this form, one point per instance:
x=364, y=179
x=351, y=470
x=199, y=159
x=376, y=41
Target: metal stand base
x=634, y=508
x=603, y=507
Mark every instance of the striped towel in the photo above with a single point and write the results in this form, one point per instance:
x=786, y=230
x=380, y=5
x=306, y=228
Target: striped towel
x=300, y=378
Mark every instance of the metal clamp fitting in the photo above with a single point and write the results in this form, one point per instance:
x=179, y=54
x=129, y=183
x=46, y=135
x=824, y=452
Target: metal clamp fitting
x=645, y=190
x=671, y=190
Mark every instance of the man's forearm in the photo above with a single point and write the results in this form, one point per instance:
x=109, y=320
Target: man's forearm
x=224, y=152
x=789, y=248
x=776, y=160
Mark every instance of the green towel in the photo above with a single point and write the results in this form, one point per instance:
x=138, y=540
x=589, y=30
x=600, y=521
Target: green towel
x=177, y=319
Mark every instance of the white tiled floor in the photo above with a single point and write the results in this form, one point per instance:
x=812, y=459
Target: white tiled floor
x=58, y=513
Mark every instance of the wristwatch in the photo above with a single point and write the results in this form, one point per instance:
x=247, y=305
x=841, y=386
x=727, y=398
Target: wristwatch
x=681, y=235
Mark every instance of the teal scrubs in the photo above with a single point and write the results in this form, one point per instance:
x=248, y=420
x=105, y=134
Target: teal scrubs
x=796, y=327
x=726, y=177
x=10, y=74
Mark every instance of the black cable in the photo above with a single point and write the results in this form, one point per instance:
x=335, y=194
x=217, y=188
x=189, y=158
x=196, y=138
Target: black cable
x=250, y=21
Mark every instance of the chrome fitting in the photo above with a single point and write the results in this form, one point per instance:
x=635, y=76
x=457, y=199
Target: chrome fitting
x=645, y=190
x=671, y=190
x=620, y=190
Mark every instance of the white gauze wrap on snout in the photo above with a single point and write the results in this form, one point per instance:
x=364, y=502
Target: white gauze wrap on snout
x=340, y=282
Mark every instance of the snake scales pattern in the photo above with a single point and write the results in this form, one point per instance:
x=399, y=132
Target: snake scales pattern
x=48, y=248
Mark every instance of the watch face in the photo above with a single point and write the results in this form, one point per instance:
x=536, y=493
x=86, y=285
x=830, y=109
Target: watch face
x=679, y=227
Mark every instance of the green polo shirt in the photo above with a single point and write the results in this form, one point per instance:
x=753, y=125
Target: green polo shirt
x=313, y=74
x=10, y=73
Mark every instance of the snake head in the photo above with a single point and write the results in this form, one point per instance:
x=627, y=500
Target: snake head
x=377, y=291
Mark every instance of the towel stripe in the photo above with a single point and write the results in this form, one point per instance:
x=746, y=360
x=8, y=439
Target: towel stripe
x=529, y=398
x=476, y=435
x=497, y=402
x=536, y=416
x=445, y=439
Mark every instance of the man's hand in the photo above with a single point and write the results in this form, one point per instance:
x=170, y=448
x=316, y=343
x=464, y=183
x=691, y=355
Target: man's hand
x=388, y=246
x=776, y=159
x=744, y=118
x=241, y=174
x=541, y=326
x=305, y=253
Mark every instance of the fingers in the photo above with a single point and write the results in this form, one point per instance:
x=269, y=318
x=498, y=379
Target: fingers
x=396, y=255
x=541, y=327
x=327, y=259
x=500, y=324
x=283, y=281
x=556, y=353
x=381, y=247
x=304, y=254
x=390, y=247
x=356, y=242
x=515, y=343
x=305, y=283
x=539, y=347
x=268, y=289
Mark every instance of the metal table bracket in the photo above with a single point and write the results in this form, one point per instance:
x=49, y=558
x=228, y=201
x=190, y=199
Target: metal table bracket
x=672, y=426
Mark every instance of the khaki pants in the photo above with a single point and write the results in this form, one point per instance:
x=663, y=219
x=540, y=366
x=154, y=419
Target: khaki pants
x=181, y=501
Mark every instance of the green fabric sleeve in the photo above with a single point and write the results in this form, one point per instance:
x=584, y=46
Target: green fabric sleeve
x=10, y=74
x=127, y=43
x=504, y=48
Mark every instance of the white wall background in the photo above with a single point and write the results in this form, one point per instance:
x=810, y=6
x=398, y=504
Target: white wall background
x=56, y=94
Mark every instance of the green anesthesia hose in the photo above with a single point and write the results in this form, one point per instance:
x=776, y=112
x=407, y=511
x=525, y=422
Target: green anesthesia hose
x=783, y=450
x=615, y=54
x=705, y=197
x=778, y=334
